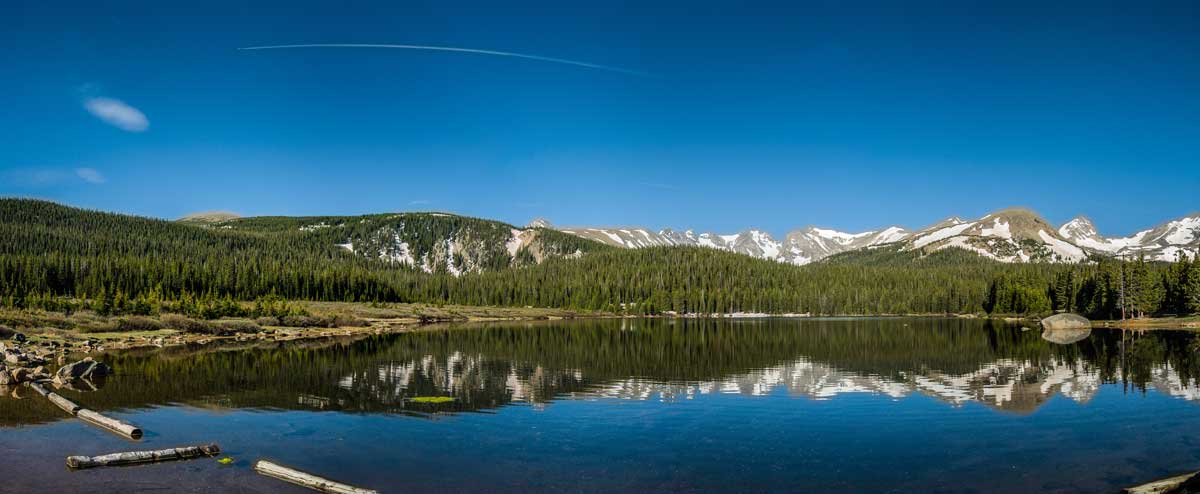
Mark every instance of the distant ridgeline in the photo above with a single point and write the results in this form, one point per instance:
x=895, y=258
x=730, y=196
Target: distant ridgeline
x=49, y=251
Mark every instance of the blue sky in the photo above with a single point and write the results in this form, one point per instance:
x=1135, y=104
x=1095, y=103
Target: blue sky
x=753, y=115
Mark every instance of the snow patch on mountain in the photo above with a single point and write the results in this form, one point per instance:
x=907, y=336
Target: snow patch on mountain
x=941, y=234
x=998, y=229
x=1066, y=251
x=1183, y=231
x=891, y=234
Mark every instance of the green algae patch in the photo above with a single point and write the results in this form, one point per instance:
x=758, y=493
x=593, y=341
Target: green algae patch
x=431, y=399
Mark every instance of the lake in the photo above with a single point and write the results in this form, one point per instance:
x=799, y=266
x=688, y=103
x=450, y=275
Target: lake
x=871, y=405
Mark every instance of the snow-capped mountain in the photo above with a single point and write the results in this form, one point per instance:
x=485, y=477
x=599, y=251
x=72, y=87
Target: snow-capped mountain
x=439, y=242
x=814, y=244
x=430, y=242
x=1010, y=235
x=1165, y=242
x=798, y=247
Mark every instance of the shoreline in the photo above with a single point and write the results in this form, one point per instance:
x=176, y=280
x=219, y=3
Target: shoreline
x=399, y=318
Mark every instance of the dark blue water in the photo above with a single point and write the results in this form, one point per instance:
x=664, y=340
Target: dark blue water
x=863, y=405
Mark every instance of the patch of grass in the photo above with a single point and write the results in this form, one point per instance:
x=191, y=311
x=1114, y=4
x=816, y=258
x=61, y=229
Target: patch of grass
x=431, y=399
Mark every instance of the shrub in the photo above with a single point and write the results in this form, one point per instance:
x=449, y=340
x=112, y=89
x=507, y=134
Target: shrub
x=342, y=320
x=187, y=324
x=137, y=323
x=97, y=326
x=267, y=321
x=238, y=325
x=300, y=321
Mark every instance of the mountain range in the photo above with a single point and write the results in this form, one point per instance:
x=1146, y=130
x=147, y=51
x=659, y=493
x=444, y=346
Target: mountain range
x=441, y=242
x=1009, y=235
x=952, y=266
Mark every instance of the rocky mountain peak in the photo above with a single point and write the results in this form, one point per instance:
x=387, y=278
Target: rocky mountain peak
x=540, y=222
x=1079, y=227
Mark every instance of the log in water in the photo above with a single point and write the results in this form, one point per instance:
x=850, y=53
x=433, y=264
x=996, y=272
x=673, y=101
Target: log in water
x=138, y=457
x=1178, y=483
x=95, y=418
x=119, y=426
x=310, y=481
x=55, y=398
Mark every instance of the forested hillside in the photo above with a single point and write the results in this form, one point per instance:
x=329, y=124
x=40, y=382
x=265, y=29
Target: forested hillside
x=49, y=251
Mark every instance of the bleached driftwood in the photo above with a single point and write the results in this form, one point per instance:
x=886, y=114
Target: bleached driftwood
x=119, y=426
x=55, y=398
x=1168, y=485
x=310, y=481
x=137, y=457
x=64, y=403
x=95, y=418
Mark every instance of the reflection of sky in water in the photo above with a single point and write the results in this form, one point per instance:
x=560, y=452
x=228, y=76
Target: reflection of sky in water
x=882, y=410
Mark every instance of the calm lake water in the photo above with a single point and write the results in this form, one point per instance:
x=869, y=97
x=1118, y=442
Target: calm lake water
x=644, y=406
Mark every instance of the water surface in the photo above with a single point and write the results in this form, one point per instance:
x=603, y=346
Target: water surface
x=636, y=406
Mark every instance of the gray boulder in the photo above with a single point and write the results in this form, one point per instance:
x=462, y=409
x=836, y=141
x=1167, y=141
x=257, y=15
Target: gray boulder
x=1066, y=320
x=83, y=369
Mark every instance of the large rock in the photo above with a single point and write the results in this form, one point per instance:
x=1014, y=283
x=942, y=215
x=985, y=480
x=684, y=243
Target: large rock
x=84, y=369
x=1066, y=320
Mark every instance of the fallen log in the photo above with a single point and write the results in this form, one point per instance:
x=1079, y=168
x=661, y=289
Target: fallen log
x=1177, y=484
x=64, y=403
x=138, y=457
x=310, y=481
x=95, y=418
x=55, y=398
x=119, y=426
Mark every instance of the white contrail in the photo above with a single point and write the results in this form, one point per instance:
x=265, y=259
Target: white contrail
x=451, y=48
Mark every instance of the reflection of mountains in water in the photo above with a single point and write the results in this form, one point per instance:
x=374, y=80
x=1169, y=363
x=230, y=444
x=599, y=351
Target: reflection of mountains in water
x=1019, y=386
x=483, y=367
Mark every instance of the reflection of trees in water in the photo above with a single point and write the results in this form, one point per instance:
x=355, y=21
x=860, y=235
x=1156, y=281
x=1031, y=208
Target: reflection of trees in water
x=487, y=366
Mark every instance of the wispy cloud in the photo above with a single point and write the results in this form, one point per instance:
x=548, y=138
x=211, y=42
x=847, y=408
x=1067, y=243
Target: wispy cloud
x=37, y=177
x=452, y=49
x=90, y=175
x=117, y=113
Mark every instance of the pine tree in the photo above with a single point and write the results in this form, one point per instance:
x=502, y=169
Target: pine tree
x=1192, y=286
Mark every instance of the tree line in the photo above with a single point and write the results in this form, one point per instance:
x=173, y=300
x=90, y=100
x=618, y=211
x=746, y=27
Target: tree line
x=50, y=252
x=1104, y=289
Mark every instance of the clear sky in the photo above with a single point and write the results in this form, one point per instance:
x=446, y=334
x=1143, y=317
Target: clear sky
x=732, y=115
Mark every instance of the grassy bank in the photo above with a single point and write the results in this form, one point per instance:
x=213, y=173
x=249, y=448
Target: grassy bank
x=1149, y=323
x=85, y=330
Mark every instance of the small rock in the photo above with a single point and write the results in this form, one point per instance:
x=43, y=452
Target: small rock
x=19, y=375
x=5, y=378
